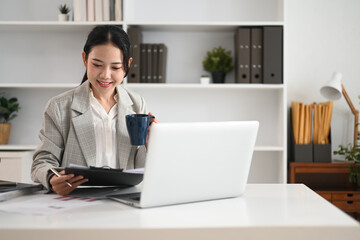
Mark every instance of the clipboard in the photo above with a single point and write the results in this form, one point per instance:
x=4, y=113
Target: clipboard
x=106, y=176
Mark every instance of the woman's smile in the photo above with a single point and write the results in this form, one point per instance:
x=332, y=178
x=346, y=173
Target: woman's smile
x=104, y=84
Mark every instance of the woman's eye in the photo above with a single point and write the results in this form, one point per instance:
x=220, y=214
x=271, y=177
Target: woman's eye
x=96, y=65
x=116, y=68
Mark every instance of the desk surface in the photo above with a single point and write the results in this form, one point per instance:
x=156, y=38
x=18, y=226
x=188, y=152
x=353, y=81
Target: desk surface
x=271, y=210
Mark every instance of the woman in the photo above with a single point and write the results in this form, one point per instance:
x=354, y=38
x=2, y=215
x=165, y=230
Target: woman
x=86, y=125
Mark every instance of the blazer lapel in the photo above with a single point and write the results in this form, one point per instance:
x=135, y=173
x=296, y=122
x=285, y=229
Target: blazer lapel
x=83, y=123
x=124, y=147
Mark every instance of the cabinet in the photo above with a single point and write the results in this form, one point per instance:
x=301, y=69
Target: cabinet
x=331, y=181
x=15, y=166
x=42, y=58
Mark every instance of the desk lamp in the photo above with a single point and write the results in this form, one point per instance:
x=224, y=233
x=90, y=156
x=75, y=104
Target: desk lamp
x=332, y=91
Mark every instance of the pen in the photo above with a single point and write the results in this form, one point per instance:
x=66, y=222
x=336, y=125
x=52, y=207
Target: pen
x=58, y=174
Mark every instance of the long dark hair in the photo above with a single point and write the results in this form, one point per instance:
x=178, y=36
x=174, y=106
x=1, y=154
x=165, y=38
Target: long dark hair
x=105, y=34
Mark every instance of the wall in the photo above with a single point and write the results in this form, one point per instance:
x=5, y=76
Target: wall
x=323, y=36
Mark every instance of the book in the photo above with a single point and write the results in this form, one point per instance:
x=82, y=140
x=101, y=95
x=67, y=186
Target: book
x=273, y=55
x=79, y=10
x=242, y=55
x=106, y=10
x=112, y=10
x=18, y=189
x=99, y=10
x=90, y=10
x=256, y=55
x=118, y=10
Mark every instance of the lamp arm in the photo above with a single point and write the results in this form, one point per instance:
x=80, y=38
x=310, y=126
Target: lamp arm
x=354, y=111
x=347, y=98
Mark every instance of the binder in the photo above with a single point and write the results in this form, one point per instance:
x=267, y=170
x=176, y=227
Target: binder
x=273, y=55
x=155, y=64
x=105, y=177
x=143, y=63
x=135, y=40
x=242, y=55
x=149, y=63
x=256, y=55
x=162, y=58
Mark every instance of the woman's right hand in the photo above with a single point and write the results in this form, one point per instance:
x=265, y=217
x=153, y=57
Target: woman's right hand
x=60, y=186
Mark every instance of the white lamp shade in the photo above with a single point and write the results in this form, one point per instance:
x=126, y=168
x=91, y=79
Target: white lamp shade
x=332, y=90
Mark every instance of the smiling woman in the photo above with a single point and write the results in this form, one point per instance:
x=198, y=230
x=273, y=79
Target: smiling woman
x=86, y=125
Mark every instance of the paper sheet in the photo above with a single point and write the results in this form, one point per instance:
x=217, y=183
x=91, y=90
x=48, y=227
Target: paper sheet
x=45, y=204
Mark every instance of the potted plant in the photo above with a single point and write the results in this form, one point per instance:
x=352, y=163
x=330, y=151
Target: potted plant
x=205, y=79
x=352, y=154
x=8, y=107
x=218, y=62
x=64, y=13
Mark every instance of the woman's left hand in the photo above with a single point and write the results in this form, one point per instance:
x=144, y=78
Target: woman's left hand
x=152, y=120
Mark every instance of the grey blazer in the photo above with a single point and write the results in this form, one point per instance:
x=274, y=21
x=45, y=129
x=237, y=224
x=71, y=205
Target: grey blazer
x=68, y=135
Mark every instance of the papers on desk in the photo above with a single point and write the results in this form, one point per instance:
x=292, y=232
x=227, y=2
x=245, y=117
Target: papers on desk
x=45, y=204
x=12, y=190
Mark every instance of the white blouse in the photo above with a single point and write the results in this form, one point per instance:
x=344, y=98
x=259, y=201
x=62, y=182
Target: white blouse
x=105, y=133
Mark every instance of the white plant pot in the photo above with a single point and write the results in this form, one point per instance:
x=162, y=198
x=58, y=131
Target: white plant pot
x=63, y=17
x=205, y=80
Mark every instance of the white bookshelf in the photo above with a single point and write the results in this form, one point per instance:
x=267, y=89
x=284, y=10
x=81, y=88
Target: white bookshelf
x=42, y=58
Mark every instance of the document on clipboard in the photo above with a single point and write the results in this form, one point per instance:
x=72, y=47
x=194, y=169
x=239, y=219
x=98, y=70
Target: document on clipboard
x=99, y=176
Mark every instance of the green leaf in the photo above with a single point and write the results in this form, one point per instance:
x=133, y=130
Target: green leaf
x=218, y=60
x=7, y=108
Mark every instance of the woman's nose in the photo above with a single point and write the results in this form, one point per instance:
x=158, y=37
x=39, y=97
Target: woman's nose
x=105, y=74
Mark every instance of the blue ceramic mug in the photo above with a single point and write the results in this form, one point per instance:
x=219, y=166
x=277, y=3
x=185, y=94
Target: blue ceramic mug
x=137, y=126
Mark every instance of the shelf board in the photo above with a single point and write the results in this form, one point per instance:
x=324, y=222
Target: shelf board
x=150, y=86
x=51, y=25
x=20, y=147
x=39, y=85
x=162, y=26
x=202, y=86
x=269, y=148
x=198, y=26
x=17, y=147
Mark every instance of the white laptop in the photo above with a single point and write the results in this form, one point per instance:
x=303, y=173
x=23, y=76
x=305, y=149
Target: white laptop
x=191, y=162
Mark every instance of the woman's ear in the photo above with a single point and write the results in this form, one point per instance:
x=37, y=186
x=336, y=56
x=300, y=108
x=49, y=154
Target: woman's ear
x=84, y=58
x=130, y=61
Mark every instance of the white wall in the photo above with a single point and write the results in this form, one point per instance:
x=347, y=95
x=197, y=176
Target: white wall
x=323, y=36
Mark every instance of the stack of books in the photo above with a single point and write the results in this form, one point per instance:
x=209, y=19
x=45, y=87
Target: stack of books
x=97, y=10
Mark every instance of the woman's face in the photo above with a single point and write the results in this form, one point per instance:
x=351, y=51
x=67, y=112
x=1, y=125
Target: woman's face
x=105, y=69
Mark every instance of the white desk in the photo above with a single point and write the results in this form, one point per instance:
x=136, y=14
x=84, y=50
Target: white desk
x=266, y=211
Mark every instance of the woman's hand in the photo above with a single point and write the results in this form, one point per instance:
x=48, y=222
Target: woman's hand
x=60, y=186
x=152, y=120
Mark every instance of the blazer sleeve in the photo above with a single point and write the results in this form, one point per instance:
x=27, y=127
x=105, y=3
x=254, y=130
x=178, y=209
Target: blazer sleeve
x=49, y=152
